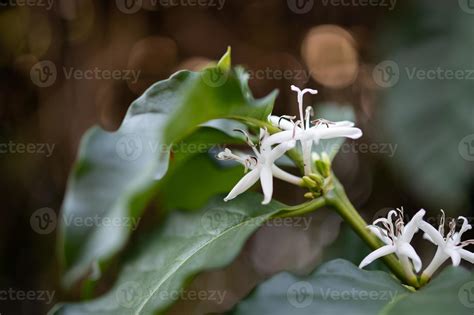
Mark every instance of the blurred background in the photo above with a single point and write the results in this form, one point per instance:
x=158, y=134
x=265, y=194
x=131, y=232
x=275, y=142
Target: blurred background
x=406, y=67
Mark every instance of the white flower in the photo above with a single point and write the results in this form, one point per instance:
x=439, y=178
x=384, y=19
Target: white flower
x=261, y=167
x=397, y=237
x=306, y=133
x=449, y=246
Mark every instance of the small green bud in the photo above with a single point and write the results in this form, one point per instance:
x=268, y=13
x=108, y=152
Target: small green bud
x=317, y=178
x=323, y=168
x=309, y=182
x=309, y=195
x=325, y=158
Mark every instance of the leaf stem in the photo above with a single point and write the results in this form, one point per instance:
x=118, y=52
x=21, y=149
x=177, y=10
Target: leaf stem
x=302, y=209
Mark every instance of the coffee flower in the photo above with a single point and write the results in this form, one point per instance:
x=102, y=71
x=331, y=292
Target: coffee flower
x=397, y=237
x=309, y=131
x=261, y=165
x=449, y=245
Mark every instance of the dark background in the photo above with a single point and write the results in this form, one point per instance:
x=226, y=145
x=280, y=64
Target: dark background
x=329, y=46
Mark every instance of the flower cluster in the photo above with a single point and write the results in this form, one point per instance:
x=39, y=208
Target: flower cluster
x=271, y=147
x=397, y=237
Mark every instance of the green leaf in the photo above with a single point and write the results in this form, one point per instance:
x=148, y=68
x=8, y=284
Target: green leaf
x=451, y=292
x=337, y=287
x=186, y=189
x=186, y=244
x=115, y=173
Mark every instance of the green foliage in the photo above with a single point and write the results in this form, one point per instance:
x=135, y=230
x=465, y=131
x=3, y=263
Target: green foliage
x=116, y=173
x=339, y=287
x=186, y=244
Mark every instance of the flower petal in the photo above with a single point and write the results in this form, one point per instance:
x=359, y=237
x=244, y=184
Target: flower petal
x=466, y=255
x=279, y=150
x=433, y=233
x=376, y=230
x=408, y=250
x=287, y=177
x=379, y=252
x=343, y=123
x=428, y=238
x=455, y=256
x=412, y=227
x=281, y=123
x=245, y=183
x=266, y=180
x=335, y=132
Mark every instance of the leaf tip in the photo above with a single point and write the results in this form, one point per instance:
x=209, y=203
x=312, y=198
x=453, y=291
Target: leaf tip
x=225, y=61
